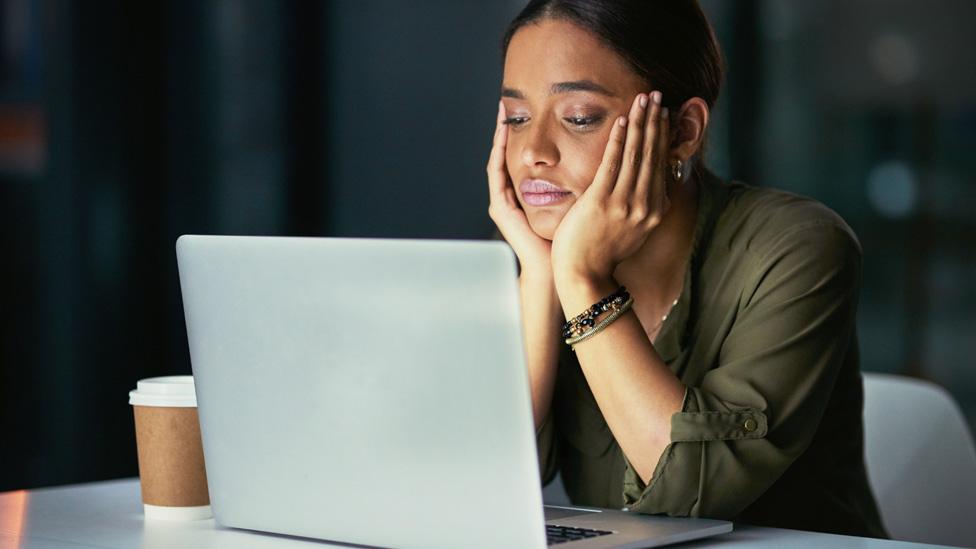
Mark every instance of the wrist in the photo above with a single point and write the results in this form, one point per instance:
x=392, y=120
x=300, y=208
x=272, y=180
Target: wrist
x=576, y=293
x=565, y=273
x=536, y=277
x=582, y=280
x=538, y=286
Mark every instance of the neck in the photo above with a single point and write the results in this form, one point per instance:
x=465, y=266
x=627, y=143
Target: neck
x=656, y=271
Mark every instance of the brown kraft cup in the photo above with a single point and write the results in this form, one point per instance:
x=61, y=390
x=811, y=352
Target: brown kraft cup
x=172, y=472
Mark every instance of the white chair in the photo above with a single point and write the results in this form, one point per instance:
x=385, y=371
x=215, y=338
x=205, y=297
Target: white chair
x=921, y=460
x=554, y=493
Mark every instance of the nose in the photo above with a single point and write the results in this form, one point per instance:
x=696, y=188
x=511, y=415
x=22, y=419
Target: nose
x=539, y=149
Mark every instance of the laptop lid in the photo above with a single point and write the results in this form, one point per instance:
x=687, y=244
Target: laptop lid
x=363, y=390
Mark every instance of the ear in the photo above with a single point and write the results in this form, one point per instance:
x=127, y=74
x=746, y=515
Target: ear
x=688, y=129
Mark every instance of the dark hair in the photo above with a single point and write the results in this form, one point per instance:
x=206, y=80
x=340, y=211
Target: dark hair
x=670, y=44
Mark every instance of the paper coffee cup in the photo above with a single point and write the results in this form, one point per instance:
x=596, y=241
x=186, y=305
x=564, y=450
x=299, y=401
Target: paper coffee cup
x=171, y=466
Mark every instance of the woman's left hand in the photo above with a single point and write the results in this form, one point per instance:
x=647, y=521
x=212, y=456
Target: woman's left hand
x=628, y=197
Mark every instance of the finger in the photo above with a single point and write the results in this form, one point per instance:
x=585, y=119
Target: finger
x=633, y=148
x=497, y=171
x=659, y=182
x=606, y=174
x=651, y=167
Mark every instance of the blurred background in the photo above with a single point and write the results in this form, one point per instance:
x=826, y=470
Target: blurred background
x=126, y=124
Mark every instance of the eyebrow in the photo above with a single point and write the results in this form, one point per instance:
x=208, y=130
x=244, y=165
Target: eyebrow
x=563, y=87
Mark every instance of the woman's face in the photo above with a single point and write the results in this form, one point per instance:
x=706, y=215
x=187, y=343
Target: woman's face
x=563, y=89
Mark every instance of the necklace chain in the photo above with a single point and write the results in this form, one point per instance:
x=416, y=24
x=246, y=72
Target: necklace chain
x=666, y=315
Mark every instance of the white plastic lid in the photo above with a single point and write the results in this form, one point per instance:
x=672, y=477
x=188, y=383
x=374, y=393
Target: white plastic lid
x=167, y=391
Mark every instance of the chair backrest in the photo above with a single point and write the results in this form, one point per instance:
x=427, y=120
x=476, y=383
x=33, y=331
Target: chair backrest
x=554, y=493
x=921, y=460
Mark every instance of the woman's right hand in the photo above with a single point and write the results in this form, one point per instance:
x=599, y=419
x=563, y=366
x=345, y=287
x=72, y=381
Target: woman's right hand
x=532, y=250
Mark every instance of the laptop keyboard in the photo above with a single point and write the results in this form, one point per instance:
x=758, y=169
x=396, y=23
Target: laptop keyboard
x=561, y=534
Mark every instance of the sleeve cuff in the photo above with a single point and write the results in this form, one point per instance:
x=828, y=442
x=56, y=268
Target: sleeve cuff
x=673, y=488
x=637, y=495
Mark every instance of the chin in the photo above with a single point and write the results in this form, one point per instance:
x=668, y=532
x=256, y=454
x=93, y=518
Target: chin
x=545, y=224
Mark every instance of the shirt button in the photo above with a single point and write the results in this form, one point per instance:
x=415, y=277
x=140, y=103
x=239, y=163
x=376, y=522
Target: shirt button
x=750, y=425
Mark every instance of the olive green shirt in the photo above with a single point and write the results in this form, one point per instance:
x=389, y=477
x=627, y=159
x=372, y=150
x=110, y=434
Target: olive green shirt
x=763, y=337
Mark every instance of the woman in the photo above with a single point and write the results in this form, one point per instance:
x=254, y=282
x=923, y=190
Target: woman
x=724, y=381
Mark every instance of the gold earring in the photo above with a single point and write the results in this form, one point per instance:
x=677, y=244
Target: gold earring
x=676, y=171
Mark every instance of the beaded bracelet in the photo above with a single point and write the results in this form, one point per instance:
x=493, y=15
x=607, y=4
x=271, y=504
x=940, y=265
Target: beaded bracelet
x=601, y=326
x=585, y=321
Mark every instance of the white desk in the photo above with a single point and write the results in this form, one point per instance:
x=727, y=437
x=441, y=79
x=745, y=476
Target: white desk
x=109, y=514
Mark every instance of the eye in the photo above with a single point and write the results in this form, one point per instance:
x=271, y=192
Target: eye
x=515, y=120
x=583, y=122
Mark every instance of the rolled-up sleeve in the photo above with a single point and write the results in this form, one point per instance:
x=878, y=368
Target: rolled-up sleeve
x=757, y=411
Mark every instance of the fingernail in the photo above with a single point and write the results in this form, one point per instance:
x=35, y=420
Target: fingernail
x=664, y=113
x=642, y=99
x=622, y=121
x=657, y=97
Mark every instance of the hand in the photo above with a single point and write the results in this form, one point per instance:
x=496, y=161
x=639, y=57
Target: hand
x=532, y=250
x=613, y=217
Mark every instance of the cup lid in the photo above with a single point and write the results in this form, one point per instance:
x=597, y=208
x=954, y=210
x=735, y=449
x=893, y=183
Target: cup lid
x=168, y=391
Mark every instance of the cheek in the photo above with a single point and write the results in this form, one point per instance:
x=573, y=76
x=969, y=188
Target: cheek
x=511, y=157
x=584, y=157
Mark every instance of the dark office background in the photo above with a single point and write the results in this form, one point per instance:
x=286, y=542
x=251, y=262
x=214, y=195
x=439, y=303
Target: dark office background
x=126, y=124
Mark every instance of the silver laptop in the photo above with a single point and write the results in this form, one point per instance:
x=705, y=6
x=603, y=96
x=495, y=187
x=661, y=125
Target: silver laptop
x=375, y=392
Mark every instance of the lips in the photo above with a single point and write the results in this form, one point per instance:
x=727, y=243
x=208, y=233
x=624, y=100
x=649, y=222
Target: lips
x=539, y=192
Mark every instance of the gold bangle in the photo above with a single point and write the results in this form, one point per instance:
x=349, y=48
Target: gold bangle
x=601, y=325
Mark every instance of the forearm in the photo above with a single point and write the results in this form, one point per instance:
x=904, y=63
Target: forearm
x=541, y=319
x=636, y=391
